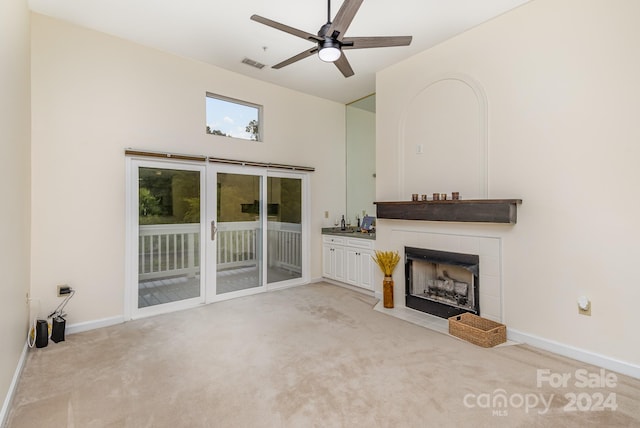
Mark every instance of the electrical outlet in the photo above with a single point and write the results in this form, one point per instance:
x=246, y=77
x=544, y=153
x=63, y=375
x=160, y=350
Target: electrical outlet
x=586, y=312
x=63, y=290
x=584, y=306
x=326, y=214
x=28, y=299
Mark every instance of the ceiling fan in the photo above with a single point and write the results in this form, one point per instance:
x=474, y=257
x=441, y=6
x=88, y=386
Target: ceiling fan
x=330, y=40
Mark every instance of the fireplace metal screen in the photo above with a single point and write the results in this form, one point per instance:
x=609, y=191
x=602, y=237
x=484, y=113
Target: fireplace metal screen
x=441, y=283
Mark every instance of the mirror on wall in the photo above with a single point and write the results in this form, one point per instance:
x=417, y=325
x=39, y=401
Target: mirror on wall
x=361, y=157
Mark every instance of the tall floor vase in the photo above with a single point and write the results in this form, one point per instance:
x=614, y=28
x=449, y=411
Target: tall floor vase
x=387, y=292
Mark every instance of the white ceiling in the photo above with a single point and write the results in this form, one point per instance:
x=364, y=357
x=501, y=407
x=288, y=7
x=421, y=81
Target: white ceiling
x=221, y=33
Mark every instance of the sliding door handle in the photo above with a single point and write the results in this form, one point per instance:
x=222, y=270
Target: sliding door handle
x=214, y=230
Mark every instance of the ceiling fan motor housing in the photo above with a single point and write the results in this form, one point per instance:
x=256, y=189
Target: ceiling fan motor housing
x=322, y=32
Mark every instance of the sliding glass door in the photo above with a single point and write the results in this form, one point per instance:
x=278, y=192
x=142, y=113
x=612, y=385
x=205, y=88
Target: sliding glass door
x=237, y=230
x=257, y=230
x=199, y=233
x=284, y=228
x=169, y=230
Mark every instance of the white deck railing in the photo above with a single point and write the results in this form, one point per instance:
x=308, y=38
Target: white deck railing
x=168, y=250
x=172, y=249
x=237, y=244
x=284, y=246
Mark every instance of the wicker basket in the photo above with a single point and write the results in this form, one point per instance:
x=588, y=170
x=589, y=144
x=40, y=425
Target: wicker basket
x=477, y=330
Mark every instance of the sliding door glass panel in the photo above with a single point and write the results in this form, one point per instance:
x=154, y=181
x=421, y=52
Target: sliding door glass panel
x=284, y=229
x=168, y=236
x=239, y=232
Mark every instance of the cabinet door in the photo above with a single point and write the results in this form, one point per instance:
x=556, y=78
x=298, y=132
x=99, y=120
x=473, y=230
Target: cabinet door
x=352, y=266
x=366, y=265
x=328, y=261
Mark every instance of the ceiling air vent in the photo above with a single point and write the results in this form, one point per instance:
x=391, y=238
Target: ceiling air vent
x=252, y=63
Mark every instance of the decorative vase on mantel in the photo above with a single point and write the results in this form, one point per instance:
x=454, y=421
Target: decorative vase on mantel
x=387, y=261
x=387, y=292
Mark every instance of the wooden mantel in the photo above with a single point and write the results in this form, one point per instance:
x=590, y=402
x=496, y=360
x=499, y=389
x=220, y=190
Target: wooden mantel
x=471, y=210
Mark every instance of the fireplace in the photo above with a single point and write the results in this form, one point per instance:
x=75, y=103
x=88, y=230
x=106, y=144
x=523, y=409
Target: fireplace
x=442, y=283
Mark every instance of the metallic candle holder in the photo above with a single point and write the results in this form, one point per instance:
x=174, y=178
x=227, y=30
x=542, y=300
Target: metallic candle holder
x=414, y=197
x=455, y=195
x=436, y=196
x=443, y=196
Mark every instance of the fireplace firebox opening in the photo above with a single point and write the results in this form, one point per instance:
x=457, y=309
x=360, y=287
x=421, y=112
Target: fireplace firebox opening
x=442, y=283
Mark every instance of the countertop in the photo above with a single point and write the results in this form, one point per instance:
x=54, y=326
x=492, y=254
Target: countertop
x=349, y=233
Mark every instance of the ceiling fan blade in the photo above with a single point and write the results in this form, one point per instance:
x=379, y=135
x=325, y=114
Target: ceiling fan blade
x=301, y=55
x=344, y=17
x=343, y=65
x=285, y=28
x=375, y=42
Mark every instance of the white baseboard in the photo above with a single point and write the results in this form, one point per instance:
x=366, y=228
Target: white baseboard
x=576, y=353
x=4, y=412
x=283, y=285
x=92, y=325
x=348, y=286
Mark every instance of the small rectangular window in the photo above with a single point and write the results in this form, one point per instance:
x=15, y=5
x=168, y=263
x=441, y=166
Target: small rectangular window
x=233, y=118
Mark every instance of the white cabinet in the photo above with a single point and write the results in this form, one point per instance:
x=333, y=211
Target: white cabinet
x=333, y=257
x=358, y=263
x=356, y=266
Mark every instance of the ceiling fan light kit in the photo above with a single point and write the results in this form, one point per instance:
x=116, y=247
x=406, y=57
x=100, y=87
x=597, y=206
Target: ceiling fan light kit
x=330, y=39
x=330, y=51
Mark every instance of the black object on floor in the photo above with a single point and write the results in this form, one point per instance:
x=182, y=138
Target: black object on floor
x=42, y=333
x=57, y=332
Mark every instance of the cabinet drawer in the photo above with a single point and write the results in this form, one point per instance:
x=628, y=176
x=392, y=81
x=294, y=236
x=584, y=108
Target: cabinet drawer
x=330, y=239
x=360, y=243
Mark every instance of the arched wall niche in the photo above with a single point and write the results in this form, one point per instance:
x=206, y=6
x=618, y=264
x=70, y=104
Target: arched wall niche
x=443, y=140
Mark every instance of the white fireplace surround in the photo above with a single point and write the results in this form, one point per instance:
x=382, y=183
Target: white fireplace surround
x=488, y=248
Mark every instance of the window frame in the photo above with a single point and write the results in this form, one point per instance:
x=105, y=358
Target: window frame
x=260, y=136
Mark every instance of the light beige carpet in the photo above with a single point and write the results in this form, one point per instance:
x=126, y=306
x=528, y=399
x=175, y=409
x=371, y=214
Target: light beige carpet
x=311, y=356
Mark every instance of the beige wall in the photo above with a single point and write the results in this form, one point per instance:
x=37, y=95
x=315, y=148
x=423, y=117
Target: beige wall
x=93, y=96
x=563, y=97
x=14, y=186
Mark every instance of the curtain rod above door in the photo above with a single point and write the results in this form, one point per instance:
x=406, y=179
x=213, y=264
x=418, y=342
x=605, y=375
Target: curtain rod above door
x=202, y=158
